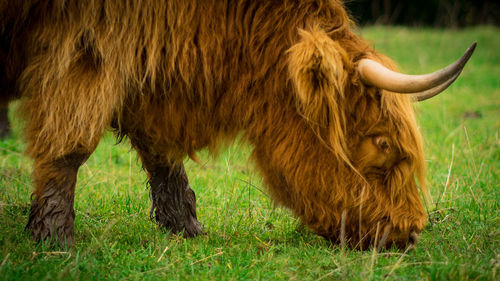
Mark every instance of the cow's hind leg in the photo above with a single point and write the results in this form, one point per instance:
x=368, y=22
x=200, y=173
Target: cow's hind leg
x=66, y=112
x=174, y=202
x=52, y=214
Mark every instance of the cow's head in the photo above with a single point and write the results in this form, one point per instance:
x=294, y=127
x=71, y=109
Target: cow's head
x=348, y=165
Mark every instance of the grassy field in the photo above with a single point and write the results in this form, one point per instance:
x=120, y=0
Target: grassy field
x=247, y=238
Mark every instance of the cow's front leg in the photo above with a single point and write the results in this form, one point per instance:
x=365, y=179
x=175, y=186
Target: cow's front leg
x=174, y=202
x=52, y=214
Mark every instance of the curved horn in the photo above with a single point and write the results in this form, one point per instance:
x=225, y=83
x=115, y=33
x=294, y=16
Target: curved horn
x=375, y=74
x=421, y=96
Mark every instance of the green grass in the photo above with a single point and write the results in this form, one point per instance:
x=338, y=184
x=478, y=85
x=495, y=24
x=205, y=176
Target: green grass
x=247, y=238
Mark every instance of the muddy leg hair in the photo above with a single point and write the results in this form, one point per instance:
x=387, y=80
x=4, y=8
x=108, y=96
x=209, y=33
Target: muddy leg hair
x=174, y=202
x=52, y=214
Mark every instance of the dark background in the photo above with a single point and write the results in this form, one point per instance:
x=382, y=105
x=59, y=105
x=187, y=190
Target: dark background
x=435, y=13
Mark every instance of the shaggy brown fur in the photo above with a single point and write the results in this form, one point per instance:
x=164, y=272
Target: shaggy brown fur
x=179, y=76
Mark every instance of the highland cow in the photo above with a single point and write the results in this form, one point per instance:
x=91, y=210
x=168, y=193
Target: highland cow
x=331, y=136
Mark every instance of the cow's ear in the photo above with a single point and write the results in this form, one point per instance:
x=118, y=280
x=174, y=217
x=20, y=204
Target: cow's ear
x=317, y=67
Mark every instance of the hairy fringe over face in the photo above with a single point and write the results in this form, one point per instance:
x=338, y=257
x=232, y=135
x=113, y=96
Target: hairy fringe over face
x=178, y=76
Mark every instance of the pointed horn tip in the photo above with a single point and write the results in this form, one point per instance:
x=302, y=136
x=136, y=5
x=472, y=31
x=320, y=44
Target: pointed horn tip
x=471, y=49
x=375, y=74
x=468, y=53
x=424, y=95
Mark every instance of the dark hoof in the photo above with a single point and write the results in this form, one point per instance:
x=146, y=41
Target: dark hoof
x=179, y=220
x=52, y=220
x=188, y=229
x=192, y=229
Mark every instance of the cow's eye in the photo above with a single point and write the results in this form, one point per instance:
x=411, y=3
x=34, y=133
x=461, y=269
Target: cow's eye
x=383, y=143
